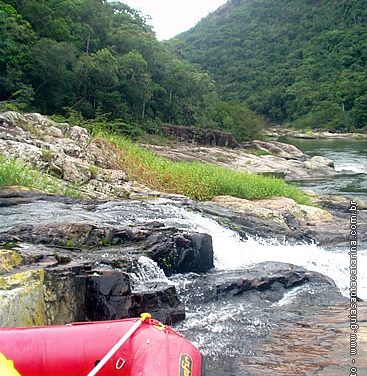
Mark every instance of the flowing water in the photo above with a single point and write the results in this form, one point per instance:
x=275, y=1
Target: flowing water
x=350, y=158
x=226, y=329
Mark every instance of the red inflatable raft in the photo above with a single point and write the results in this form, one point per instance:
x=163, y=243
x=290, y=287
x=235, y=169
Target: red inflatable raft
x=131, y=347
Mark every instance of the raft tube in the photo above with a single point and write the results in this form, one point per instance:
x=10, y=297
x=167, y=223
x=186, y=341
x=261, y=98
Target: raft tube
x=76, y=349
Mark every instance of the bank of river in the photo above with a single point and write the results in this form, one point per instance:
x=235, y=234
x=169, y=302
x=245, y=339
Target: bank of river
x=350, y=158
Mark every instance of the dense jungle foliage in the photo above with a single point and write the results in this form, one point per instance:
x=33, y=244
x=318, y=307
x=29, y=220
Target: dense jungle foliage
x=300, y=61
x=101, y=60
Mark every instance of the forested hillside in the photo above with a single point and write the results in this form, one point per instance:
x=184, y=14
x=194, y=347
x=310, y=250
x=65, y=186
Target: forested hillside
x=101, y=59
x=93, y=56
x=301, y=61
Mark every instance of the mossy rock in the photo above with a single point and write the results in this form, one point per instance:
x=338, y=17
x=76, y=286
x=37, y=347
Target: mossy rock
x=9, y=259
x=22, y=299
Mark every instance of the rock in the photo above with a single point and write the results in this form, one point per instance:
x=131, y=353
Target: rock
x=200, y=136
x=70, y=235
x=71, y=169
x=173, y=250
x=84, y=269
x=54, y=132
x=162, y=303
x=103, y=155
x=65, y=292
x=108, y=295
x=182, y=254
x=58, y=290
x=69, y=154
x=280, y=218
x=319, y=162
x=271, y=276
x=79, y=135
x=278, y=209
x=9, y=259
x=22, y=302
x=313, y=346
x=277, y=148
x=286, y=163
x=314, y=134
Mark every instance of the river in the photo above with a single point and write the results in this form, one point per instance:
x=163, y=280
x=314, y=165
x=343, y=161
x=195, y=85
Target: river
x=227, y=329
x=350, y=158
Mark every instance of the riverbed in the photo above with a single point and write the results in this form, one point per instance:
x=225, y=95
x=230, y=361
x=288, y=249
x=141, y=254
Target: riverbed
x=350, y=158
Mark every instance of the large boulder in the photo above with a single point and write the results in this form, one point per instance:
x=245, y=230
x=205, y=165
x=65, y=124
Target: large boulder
x=21, y=299
x=183, y=253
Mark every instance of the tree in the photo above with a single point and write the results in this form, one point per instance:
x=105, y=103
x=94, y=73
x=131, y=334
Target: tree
x=16, y=39
x=51, y=74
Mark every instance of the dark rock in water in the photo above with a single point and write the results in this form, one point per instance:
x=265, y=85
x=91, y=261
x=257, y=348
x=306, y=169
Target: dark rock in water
x=268, y=280
x=175, y=251
x=83, y=269
x=107, y=295
x=276, y=277
x=70, y=235
x=163, y=303
x=182, y=254
x=200, y=136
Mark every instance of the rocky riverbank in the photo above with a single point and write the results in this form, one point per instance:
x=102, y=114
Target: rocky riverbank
x=69, y=154
x=105, y=256
x=278, y=132
x=264, y=158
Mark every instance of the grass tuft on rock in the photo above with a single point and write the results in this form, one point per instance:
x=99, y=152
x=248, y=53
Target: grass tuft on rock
x=14, y=172
x=197, y=180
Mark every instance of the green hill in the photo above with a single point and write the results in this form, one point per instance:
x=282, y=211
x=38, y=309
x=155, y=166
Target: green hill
x=94, y=57
x=300, y=61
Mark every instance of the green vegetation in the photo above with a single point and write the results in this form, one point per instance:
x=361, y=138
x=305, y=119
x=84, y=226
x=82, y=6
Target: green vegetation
x=301, y=61
x=13, y=172
x=198, y=180
x=93, y=57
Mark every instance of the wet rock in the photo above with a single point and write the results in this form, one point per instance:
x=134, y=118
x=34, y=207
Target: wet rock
x=318, y=345
x=183, y=253
x=108, y=295
x=9, y=259
x=71, y=235
x=84, y=268
x=65, y=292
x=274, y=277
x=163, y=303
x=173, y=250
x=267, y=281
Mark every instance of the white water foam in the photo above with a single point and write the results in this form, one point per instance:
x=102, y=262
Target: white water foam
x=146, y=270
x=233, y=253
x=356, y=167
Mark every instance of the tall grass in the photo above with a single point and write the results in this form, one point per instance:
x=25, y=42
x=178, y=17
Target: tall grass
x=198, y=180
x=14, y=172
